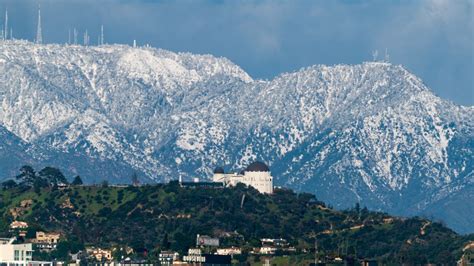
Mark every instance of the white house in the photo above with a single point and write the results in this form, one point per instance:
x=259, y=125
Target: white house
x=18, y=254
x=18, y=225
x=229, y=251
x=168, y=257
x=257, y=175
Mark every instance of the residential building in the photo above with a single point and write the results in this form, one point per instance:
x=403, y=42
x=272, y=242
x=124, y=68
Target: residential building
x=168, y=257
x=468, y=247
x=22, y=233
x=196, y=257
x=100, y=254
x=257, y=175
x=277, y=242
x=12, y=254
x=46, y=241
x=127, y=262
x=45, y=247
x=267, y=250
x=229, y=251
x=467, y=258
x=76, y=258
x=18, y=225
x=15, y=252
x=206, y=241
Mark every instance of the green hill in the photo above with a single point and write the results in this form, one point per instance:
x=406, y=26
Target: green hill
x=168, y=216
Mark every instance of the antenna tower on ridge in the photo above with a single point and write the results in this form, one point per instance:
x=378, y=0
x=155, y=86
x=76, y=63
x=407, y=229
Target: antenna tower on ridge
x=39, y=32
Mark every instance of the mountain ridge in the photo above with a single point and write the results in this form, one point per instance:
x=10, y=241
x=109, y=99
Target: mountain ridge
x=370, y=133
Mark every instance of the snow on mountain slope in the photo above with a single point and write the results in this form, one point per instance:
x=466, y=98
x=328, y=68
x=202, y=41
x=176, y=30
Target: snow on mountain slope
x=370, y=133
x=13, y=153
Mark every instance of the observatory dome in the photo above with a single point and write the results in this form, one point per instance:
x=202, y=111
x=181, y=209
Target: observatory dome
x=257, y=167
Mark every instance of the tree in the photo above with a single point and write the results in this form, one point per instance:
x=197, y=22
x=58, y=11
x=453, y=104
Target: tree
x=357, y=207
x=135, y=180
x=77, y=181
x=52, y=176
x=105, y=212
x=27, y=176
x=165, y=243
x=31, y=233
x=66, y=247
x=9, y=184
x=364, y=213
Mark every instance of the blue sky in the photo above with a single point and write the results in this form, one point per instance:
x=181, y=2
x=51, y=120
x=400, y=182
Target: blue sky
x=434, y=39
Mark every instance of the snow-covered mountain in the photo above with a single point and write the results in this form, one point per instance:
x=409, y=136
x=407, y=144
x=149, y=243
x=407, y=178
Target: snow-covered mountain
x=371, y=133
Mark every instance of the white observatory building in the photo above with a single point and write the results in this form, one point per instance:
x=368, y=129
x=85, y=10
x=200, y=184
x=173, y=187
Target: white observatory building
x=257, y=175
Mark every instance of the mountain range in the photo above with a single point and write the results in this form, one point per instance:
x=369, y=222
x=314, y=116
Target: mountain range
x=371, y=133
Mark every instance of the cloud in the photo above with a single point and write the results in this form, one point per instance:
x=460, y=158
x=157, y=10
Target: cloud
x=435, y=40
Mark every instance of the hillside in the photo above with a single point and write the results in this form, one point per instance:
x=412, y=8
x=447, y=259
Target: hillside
x=371, y=133
x=162, y=216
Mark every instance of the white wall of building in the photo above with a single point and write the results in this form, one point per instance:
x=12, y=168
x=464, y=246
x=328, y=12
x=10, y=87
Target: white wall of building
x=16, y=252
x=262, y=181
x=218, y=177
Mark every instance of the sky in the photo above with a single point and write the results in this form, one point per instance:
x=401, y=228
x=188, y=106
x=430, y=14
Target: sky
x=434, y=39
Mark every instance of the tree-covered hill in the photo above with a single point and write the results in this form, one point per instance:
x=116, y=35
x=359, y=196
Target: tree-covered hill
x=168, y=216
